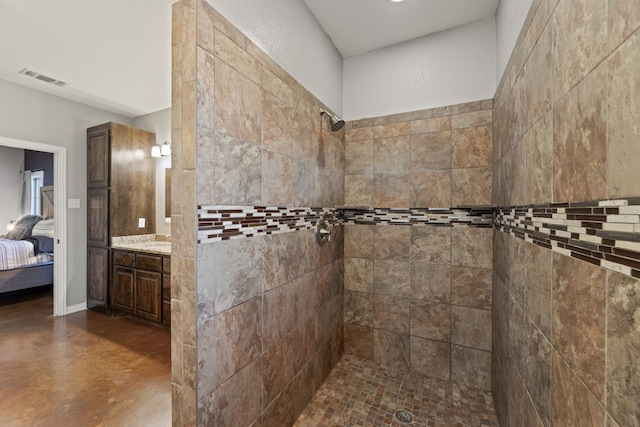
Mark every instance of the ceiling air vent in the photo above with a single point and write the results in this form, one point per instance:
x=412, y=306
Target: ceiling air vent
x=42, y=77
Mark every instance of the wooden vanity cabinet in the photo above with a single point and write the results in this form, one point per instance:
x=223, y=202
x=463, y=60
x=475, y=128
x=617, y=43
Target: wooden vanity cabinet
x=120, y=190
x=139, y=285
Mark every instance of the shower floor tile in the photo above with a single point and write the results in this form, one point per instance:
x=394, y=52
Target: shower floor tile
x=361, y=393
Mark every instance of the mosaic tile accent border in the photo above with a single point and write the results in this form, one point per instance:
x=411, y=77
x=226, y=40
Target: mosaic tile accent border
x=475, y=217
x=217, y=223
x=605, y=233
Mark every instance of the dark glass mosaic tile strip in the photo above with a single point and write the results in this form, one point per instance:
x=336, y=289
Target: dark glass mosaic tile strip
x=605, y=233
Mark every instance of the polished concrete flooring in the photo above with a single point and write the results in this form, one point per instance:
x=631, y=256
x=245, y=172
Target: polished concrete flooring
x=84, y=369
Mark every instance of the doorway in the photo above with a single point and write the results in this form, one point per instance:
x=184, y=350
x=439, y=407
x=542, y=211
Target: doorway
x=60, y=232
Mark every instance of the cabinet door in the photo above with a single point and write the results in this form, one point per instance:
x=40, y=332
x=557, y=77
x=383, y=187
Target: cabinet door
x=98, y=159
x=98, y=278
x=98, y=217
x=123, y=289
x=148, y=295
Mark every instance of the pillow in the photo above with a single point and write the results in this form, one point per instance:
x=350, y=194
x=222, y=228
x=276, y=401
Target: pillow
x=43, y=228
x=23, y=227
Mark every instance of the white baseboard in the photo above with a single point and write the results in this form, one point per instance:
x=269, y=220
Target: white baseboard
x=75, y=308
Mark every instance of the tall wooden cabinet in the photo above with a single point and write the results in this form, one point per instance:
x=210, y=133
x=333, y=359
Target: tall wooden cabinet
x=121, y=191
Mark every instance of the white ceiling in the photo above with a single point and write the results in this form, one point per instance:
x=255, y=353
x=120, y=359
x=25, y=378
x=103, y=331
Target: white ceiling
x=359, y=26
x=116, y=54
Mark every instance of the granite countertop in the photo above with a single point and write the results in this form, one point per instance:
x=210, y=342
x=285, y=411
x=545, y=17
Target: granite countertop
x=158, y=244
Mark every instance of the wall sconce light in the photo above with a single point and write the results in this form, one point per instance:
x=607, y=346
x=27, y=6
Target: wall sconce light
x=160, y=151
x=11, y=224
x=165, y=150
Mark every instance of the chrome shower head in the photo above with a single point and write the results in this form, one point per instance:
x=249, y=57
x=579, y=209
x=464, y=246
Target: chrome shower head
x=336, y=122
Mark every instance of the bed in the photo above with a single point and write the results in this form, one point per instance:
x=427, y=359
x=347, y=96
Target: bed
x=26, y=260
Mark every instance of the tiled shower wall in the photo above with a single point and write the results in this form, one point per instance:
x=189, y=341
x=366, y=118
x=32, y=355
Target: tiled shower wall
x=418, y=297
x=566, y=343
x=258, y=319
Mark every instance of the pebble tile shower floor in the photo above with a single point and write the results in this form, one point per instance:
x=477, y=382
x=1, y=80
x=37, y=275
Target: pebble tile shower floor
x=361, y=393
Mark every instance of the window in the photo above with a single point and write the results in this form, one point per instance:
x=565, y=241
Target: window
x=37, y=179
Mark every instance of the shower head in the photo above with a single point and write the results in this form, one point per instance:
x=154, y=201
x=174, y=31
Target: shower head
x=336, y=122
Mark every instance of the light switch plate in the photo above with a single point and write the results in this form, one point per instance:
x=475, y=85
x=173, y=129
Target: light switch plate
x=141, y=222
x=73, y=203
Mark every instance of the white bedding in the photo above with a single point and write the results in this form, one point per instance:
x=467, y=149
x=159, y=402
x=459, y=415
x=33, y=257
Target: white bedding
x=19, y=253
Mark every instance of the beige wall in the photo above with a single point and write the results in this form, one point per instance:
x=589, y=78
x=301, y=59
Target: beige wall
x=566, y=116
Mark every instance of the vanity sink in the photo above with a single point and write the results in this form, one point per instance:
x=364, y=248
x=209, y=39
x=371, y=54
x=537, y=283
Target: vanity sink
x=152, y=243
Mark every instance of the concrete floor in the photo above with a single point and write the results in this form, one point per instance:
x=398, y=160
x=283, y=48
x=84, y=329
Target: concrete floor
x=84, y=369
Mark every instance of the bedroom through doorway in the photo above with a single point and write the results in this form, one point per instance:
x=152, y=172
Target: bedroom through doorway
x=59, y=214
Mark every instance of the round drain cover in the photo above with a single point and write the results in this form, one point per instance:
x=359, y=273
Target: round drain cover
x=404, y=416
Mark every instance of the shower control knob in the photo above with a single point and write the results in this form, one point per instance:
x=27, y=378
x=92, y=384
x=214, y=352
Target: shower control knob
x=322, y=232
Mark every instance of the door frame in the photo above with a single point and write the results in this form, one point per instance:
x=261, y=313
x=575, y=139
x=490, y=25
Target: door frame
x=60, y=214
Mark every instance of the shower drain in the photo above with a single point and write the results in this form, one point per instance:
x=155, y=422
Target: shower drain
x=404, y=416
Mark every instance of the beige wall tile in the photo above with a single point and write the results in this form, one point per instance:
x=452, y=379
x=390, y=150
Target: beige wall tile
x=539, y=77
x=431, y=244
x=358, y=274
x=238, y=167
x=430, y=282
x=391, y=278
x=391, y=313
x=579, y=319
x=238, y=104
x=358, y=241
x=430, y=189
x=392, y=130
x=277, y=179
x=276, y=129
x=435, y=124
x=431, y=320
x=430, y=151
x=571, y=401
x=239, y=400
x=238, y=335
x=471, y=287
x=579, y=146
x=623, y=348
x=579, y=40
x=205, y=89
x=474, y=119
x=471, y=367
x=471, y=247
x=623, y=20
x=391, y=155
x=623, y=119
x=358, y=308
x=358, y=341
x=391, y=191
x=358, y=157
x=391, y=242
x=303, y=184
x=471, y=186
x=432, y=358
x=391, y=349
x=470, y=327
x=472, y=147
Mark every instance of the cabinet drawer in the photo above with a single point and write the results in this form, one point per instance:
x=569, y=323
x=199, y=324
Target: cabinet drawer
x=166, y=264
x=126, y=259
x=149, y=262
